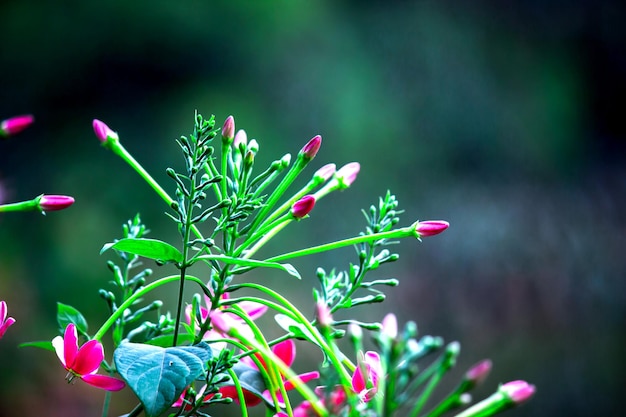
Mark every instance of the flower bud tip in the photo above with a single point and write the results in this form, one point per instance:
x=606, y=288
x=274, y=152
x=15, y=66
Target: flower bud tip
x=103, y=132
x=431, y=227
x=15, y=125
x=228, y=130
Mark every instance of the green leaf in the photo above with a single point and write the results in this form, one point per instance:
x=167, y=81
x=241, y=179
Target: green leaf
x=159, y=375
x=148, y=248
x=45, y=344
x=297, y=329
x=67, y=314
x=288, y=268
x=167, y=340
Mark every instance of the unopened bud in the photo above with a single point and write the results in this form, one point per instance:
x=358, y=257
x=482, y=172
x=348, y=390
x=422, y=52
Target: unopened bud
x=241, y=138
x=54, y=202
x=15, y=125
x=517, y=391
x=431, y=227
x=103, y=132
x=228, y=130
x=478, y=373
x=347, y=174
x=325, y=172
x=302, y=207
x=309, y=150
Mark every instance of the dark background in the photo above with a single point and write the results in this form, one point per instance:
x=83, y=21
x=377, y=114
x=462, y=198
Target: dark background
x=505, y=118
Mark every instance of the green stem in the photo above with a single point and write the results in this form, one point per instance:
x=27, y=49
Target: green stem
x=491, y=405
x=428, y=390
x=21, y=206
x=391, y=234
x=126, y=304
x=267, y=236
x=242, y=401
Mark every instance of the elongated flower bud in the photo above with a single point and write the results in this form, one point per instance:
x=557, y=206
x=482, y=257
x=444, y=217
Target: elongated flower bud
x=478, y=373
x=325, y=172
x=310, y=149
x=103, y=132
x=228, y=130
x=347, y=174
x=431, y=227
x=517, y=391
x=241, y=138
x=303, y=206
x=15, y=125
x=54, y=202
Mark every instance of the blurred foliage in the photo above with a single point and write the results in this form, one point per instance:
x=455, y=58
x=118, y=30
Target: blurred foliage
x=501, y=117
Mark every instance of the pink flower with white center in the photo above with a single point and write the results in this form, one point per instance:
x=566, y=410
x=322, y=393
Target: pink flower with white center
x=286, y=352
x=54, y=202
x=366, y=375
x=83, y=362
x=431, y=227
x=15, y=125
x=5, y=322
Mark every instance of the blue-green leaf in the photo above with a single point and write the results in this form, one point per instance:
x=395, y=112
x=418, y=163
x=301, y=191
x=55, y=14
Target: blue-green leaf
x=159, y=375
x=67, y=314
x=148, y=248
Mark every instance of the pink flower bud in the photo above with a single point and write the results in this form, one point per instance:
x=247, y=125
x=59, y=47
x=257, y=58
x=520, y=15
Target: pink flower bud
x=390, y=326
x=103, y=132
x=15, y=125
x=347, y=173
x=310, y=149
x=478, y=373
x=55, y=202
x=431, y=227
x=240, y=138
x=518, y=391
x=228, y=130
x=325, y=172
x=303, y=206
x=324, y=318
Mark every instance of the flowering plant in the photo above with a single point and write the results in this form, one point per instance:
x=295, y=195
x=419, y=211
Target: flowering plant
x=208, y=349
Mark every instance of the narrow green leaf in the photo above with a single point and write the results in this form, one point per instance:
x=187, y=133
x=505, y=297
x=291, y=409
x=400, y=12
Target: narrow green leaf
x=148, y=248
x=288, y=268
x=67, y=314
x=44, y=344
x=297, y=329
x=159, y=375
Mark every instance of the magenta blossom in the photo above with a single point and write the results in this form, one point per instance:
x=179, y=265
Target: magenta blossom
x=5, y=322
x=54, y=202
x=431, y=227
x=83, y=362
x=286, y=352
x=366, y=375
x=15, y=125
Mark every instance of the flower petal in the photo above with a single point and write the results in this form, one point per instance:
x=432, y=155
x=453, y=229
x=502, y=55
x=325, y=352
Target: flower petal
x=104, y=382
x=3, y=311
x=254, y=310
x=70, y=345
x=88, y=358
x=57, y=343
x=229, y=391
x=286, y=351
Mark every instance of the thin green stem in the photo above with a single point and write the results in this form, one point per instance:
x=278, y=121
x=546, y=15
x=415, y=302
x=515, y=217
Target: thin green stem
x=491, y=405
x=21, y=206
x=391, y=234
x=126, y=304
x=242, y=400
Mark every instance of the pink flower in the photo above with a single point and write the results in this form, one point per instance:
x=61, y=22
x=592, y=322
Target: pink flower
x=222, y=320
x=431, y=227
x=310, y=149
x=366, y=375
x=347, y=174
x=15, y=125
x=517, y=391
x=54, y=202
x=241, y=138
x=286, y=352
x=103, y=132
x=5, y=322
x=302, y=207
x=228, y=130
x=84, y=362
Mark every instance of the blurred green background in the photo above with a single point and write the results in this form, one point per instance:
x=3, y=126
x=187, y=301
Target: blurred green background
x=501, y=117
